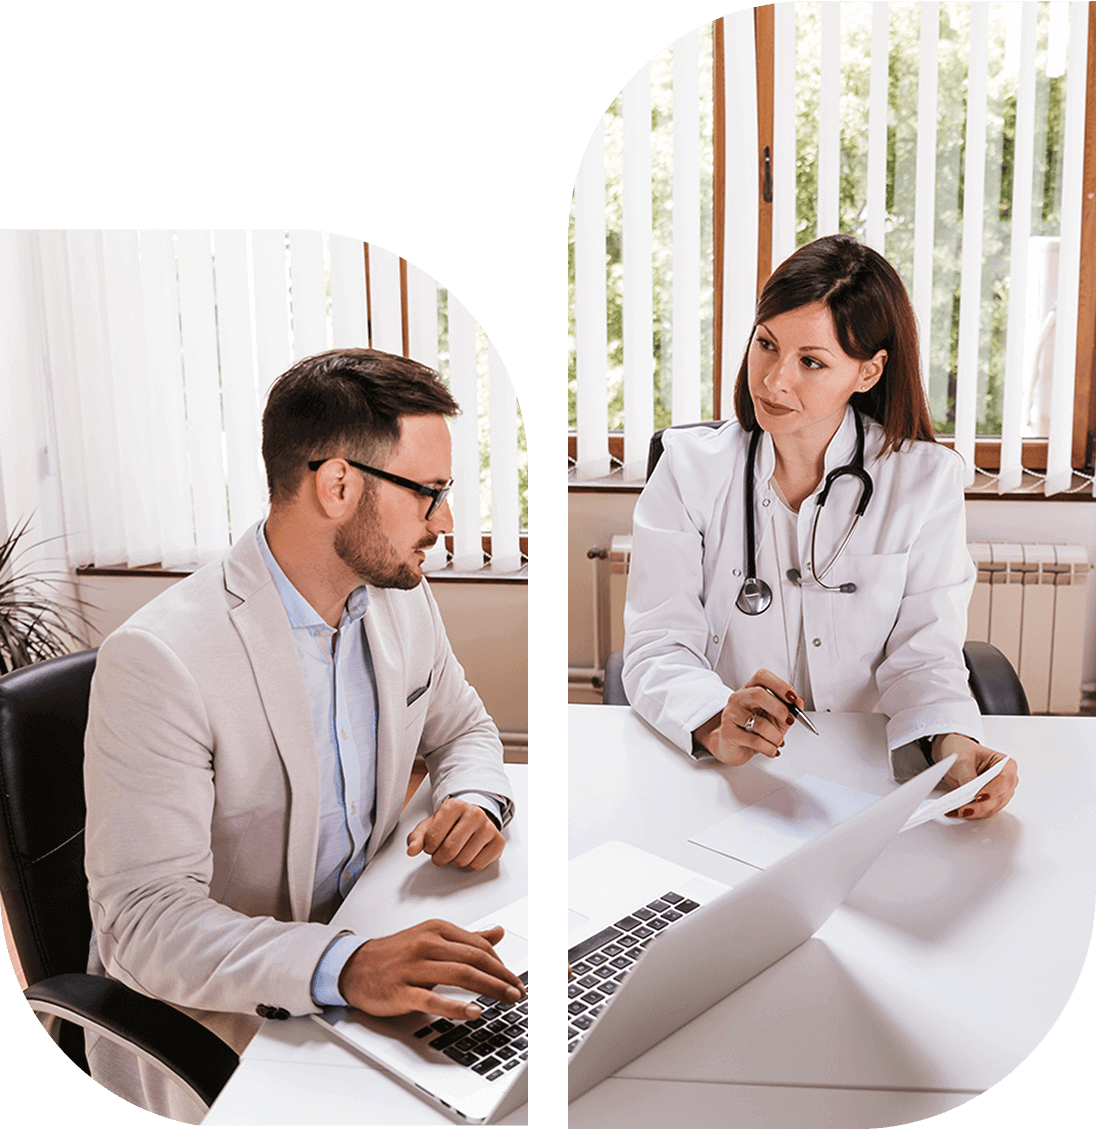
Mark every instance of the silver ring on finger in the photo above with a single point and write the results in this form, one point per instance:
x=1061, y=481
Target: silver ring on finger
x=750, y=724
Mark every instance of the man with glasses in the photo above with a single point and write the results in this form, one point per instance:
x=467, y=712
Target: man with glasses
x=252, y=733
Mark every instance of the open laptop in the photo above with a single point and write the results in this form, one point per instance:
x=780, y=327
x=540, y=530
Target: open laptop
x=658, y=943
x=474, y=1069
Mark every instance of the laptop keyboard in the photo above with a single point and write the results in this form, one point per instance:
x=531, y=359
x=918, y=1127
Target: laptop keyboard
x=491, y=1045
x=601, y=962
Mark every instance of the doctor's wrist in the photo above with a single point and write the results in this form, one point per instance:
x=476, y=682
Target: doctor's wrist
x=706, y=735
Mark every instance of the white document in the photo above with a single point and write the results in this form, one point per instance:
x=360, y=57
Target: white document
x=776, y=825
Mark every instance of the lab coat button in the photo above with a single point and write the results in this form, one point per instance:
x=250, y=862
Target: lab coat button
x=764, y=501
x=816, y=642
x=715, y=638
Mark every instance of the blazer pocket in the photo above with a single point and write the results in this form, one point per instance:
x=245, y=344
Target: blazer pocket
x=416, y=694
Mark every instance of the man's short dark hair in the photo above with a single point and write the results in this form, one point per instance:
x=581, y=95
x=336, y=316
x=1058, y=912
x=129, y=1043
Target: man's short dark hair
x=346, y=402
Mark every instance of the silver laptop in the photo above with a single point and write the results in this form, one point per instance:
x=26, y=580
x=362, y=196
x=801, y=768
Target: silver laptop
x=473, y=1070
x=658, y=943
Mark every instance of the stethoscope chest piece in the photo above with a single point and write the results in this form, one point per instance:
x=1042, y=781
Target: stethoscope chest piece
x=754, y=596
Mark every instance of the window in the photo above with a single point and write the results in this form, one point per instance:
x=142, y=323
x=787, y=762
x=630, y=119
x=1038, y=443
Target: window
x=156, y=349
x=948, y=136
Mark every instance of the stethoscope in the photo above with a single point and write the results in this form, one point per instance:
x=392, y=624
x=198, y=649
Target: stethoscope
x=755, y=595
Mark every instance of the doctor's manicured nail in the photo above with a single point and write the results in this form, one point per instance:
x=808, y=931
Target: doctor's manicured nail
x=967, y=811
x=791, y=720
x=790, y=695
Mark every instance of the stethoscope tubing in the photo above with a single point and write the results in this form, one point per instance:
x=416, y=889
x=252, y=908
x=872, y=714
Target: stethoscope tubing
x=755, y=596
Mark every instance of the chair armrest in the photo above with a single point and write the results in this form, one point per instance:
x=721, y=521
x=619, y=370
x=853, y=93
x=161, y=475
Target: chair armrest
x=195, y=1058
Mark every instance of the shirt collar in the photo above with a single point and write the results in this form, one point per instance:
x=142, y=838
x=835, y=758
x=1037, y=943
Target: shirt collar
x=300, y=612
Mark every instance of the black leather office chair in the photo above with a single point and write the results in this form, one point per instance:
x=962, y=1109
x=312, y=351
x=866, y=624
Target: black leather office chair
x=994, y=684
x=43, y=715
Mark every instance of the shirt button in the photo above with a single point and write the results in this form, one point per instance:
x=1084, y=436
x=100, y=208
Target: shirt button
x=764, y=501
x=736, y=572
x=816, y=642
x=715, y=638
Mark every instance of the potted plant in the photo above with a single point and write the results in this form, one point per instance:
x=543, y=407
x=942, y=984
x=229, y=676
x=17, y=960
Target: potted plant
x=38, y=620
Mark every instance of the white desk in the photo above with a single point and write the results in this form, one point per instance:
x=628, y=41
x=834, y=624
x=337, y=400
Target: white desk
x=943, y=969
x=293, y=1072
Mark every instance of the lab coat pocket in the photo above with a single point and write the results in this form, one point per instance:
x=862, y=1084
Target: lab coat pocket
x=864, y=619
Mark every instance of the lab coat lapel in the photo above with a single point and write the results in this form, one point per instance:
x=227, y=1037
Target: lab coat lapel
x=267, y=637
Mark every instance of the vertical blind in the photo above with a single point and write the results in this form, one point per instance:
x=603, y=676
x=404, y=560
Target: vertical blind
x=892, y=122
x=160, y=347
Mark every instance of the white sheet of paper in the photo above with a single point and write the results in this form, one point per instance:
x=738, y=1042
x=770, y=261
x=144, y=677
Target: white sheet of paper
x=949, y=801
x=773, y=827
x=783, y=820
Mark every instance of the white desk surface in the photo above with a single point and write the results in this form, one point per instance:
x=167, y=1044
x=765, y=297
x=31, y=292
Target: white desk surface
x=944, y=968
x=293, y=1072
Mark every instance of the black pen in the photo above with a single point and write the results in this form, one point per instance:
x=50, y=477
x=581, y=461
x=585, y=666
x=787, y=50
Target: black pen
x=795, y=710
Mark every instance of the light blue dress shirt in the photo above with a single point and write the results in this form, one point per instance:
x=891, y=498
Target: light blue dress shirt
x=342, y=694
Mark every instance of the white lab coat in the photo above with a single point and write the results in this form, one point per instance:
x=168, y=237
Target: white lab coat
x=895, y=644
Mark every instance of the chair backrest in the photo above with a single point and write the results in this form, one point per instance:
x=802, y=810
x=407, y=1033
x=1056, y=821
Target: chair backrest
x=654, y=451
x=43, y=715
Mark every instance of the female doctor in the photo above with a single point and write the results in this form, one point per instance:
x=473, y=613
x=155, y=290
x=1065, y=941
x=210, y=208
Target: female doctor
x=749, y=571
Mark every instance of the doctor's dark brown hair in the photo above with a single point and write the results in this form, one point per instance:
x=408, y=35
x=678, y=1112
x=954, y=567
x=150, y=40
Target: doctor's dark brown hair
x=346, y=402
x=871, y=311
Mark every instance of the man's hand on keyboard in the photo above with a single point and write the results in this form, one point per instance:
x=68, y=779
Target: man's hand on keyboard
x=396, y=974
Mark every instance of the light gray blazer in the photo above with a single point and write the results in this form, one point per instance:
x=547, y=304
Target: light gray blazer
x=203, y=787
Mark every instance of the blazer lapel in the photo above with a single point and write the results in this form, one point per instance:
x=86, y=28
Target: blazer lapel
x=386, y=652
x=266, y=635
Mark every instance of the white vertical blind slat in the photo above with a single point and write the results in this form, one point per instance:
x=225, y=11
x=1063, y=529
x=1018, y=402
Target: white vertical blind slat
x=422, y=338
x=591, y=335
x=742, y=160
x=91, y=348
x=463, y=383
x=638, y=305
x=132, y=404
x=171, y=471
x=970, y=285
x=686, y=257
x=53, y=260
x=925, y=197
x=348, y=309
x=422, y=316
x=1060, y=440
x=505, y=545
x=203, y=395
x=246, y=484
x=271, y=307
x=829, y=120
x=1023, y=162
x=878, y=112
x=783, y=132
x=308, y=293
x=386, y=313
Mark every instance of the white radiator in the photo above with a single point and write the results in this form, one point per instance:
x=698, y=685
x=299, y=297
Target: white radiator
x=1029, y=602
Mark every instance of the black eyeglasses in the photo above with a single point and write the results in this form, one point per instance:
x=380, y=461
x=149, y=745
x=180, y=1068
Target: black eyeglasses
x=435, y=493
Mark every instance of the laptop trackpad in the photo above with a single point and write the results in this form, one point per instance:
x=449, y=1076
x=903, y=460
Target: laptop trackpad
x=575, y=919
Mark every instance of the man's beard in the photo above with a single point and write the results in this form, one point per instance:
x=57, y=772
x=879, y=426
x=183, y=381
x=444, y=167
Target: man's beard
x=361, y=547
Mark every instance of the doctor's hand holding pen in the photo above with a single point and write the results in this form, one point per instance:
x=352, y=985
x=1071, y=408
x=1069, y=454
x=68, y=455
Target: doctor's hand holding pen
x=754, y=721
